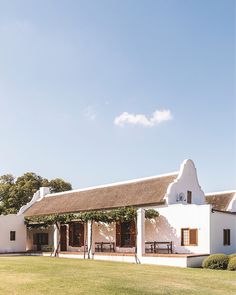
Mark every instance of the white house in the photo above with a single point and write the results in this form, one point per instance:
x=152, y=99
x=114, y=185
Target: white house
x=190, y=225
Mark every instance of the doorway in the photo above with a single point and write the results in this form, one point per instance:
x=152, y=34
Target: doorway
x=40, y=239
x=63, y=232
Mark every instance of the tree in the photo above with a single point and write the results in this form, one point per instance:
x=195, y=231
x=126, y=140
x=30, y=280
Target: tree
x=59, y=185
x=6, y=182
x=16, y=193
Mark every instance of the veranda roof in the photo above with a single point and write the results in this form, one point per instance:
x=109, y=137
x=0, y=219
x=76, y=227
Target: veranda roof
x=141, y=192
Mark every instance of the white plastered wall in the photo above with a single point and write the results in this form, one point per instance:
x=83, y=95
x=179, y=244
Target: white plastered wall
x=103, y=232
x=167, y=227
x=218, y=222
x=15, y=223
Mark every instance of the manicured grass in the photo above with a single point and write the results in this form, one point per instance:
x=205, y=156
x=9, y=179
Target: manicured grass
x=45, y=275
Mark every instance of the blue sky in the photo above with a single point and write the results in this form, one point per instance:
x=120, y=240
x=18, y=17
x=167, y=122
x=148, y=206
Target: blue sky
x=69, y=69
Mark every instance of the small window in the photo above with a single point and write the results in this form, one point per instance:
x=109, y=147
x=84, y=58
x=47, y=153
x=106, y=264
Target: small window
x=226, y=237
x=12, y=235
x=189, y=237
x=189, y=197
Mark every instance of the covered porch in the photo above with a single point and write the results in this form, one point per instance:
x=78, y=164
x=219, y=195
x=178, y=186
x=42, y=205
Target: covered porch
x=98, y=237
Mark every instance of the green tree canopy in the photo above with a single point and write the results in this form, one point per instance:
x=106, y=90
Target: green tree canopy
x=59, y=185
x=15, y=193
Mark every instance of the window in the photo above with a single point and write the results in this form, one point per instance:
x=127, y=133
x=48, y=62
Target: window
x=125, y=234
x=189, y=197
x=76, y=234
x=189, y=237
x=226, y=237
x=12, y=235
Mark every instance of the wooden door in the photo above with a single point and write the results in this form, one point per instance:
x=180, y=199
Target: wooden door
x=63, y=232
x=40, y=239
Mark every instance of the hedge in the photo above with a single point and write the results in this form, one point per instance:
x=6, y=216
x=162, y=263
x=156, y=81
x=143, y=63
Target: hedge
x=232, y=256
x=216, y=261
x=232, y=264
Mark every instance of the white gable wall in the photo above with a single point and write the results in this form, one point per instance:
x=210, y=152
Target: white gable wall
x=15, y=223
x=232, y=204
x=186, y=181
x=43, y=191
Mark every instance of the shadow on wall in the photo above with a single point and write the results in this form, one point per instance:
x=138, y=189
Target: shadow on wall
x=160, y=230
x=104, y=232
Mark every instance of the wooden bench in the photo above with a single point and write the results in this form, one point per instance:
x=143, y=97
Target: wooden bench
x=104, y=247
x=46, y=248
x=156, y=247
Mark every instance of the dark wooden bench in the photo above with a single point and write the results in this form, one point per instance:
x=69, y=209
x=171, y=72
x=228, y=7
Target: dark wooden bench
x=104, y=247
x=156, y=247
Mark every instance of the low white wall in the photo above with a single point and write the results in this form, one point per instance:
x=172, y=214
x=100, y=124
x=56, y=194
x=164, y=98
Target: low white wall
x=15, y=223
x=167, y=261
x=173, y=218
x=195, y=261
x=220, y=221
x=155, y=260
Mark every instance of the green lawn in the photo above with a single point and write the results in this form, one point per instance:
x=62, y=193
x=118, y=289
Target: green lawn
x=45, y=275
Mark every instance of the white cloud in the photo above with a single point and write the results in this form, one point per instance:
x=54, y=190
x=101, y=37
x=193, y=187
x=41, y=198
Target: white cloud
x=90, y=113
x=157, y=117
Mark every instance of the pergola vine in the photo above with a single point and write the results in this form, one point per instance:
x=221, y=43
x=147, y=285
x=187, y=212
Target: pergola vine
x=106, y=216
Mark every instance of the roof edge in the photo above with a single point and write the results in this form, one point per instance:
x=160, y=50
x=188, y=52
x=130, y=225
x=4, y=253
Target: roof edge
x=222, y=211
x=221, y=192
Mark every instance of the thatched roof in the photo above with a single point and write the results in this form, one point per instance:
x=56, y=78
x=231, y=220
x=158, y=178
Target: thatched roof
x=148, y=191
x=220, y=201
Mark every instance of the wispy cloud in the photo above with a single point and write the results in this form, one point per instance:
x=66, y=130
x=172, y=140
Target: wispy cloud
x=90, y=113
x=157, y=117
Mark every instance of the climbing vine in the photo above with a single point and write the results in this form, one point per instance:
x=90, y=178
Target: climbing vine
x=106, y=216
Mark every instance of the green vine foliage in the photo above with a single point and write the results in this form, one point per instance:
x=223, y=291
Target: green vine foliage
x=120, y=214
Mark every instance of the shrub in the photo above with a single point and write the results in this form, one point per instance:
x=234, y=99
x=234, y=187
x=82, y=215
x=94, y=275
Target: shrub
x=232, y=264
x=216, y=261
x=232, y=256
